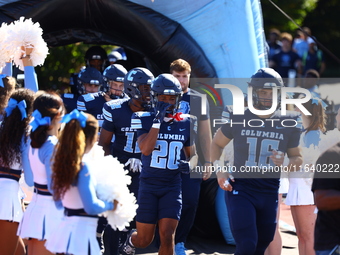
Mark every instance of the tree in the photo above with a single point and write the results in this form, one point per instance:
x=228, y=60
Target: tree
x=296, y=9
x=325, y=26
x=61, y=62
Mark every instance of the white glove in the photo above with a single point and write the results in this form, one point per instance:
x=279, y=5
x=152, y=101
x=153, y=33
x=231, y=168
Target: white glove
x=135, y=164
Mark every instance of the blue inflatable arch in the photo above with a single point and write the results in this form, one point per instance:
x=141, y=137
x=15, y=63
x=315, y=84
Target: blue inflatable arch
x=219, y=38
x=117, y=22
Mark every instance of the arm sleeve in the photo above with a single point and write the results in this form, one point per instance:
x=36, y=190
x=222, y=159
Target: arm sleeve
x=31, y=81
x=45, y=156
x=7, y=70
x=92, y=205
x=26, y=163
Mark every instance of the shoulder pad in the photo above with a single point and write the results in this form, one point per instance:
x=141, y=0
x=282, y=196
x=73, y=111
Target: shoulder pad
x=116, y=103
x=68, y=95
x=88, y=97
x=142, y=114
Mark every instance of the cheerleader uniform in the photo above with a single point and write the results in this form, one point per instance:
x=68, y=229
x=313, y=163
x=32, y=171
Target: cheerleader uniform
x=43, y=214
x=10, y=198
x=77, y=232
x=300, y=183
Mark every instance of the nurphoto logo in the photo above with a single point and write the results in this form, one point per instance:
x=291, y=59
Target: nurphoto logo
x=238, y=105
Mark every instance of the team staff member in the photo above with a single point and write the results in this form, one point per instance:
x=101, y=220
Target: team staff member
x=191, y=185
x=252, y=199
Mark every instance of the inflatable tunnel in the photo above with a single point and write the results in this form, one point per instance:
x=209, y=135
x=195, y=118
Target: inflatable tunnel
x=116, y=22
x=219, y=38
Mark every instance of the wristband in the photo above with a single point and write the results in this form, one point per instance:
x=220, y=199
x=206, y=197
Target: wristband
x=208, y=162
x=156, y=125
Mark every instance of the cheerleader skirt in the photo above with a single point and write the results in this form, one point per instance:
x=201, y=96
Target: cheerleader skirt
x=10, y=202
x=76, y=235
x=299, y=192
x=41, y=218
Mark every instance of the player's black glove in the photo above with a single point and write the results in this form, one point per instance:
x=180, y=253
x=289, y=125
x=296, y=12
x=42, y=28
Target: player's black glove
x=183, y=166
x=160, y=110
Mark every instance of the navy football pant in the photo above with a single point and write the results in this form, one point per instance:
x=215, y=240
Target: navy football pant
x=252, y=217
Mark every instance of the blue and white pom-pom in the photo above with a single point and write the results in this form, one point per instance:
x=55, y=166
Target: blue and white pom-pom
x=25, y=33
x=111, y=184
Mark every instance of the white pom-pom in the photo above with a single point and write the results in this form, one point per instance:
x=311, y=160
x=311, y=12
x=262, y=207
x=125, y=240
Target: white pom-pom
x=111, y=184
x=25, y=33
x=6, y=51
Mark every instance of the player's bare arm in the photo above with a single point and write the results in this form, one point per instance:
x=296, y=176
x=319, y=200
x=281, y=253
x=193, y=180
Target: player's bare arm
x=105, y=140
x=295, y=158
x=218, y=143
x=147, y=141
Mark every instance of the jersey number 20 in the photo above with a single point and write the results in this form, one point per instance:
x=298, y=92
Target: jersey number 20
x=166, y=154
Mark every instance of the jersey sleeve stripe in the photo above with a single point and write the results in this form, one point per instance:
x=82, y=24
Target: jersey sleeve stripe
x=107, y=115
x=136, y=124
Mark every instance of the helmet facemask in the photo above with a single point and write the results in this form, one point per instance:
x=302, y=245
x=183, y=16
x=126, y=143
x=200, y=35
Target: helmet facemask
x=173, y=108
x=262, y=101
x=141, y=93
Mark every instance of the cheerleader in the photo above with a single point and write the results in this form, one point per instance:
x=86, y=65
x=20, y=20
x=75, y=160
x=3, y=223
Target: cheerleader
x=74, y=183
x=13, y=143
x=300, y=196
x=42, y=215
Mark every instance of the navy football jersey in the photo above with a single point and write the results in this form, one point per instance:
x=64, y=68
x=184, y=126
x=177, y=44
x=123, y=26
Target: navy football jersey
x=162, y=164
x=194, y=99
x=70, y=101
x=117, y=119
x=92, y=103
x=254, y=141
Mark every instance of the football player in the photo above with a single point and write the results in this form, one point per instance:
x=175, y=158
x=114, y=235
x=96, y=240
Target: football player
x=92, y=99
x=95, y=57
x=162, y=134
x=252, y=197
x=117, y=124
x=114, y=81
